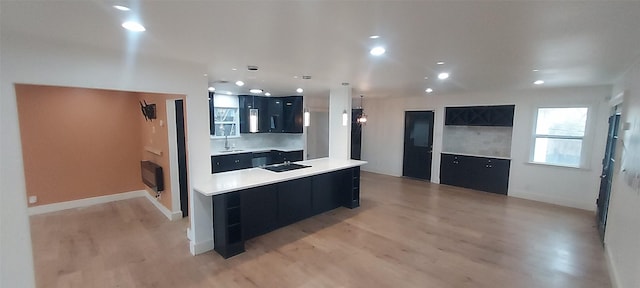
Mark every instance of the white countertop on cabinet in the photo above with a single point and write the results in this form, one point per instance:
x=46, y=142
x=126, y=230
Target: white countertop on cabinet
x=252, y=150
x=225, y=182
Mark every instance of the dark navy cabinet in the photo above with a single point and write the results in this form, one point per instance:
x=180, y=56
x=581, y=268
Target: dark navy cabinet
x=242, y=215
x=499, y=115
x=223, y=163
x=479, y=173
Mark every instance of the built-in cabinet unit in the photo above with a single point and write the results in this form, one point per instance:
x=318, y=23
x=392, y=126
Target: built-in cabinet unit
x=282, y=156
x=500, y=115
x=237, y=161
x=275, y=114
x=479, y=173
x=242, y=215
x=223, y=163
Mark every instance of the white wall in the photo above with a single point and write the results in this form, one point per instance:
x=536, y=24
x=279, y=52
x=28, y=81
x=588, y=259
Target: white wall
x=32, y=61
x=383, y=140
x=318, y=135
x=339, y=135
x=622, y=239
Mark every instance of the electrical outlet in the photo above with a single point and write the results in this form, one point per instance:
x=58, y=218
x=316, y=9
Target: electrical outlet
x=33, y=199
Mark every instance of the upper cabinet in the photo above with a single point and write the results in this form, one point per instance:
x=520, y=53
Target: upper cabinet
x=274, y=111
x=501, y=115
x=292, y=114
x=275, y=114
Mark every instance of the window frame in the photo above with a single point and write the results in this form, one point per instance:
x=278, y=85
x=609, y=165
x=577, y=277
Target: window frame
x=586, y=138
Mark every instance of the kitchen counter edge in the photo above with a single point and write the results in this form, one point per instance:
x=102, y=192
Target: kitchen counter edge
x=225, y=182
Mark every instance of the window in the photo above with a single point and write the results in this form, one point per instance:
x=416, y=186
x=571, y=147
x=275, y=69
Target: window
x=559, y=136
x=225, y=120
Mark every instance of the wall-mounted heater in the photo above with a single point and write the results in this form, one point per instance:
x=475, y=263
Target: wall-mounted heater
x=152, y=175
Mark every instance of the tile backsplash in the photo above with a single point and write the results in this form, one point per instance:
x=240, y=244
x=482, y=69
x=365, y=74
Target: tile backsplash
x=261, y=140
x=477, y=140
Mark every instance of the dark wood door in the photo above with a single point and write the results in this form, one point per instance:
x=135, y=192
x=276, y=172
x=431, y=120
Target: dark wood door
x=182, y=158
x=356, y=134
x=418, y=144
x=607, y=172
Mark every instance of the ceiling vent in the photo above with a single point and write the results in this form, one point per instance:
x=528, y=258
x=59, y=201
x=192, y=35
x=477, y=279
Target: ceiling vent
x=345, y=83
x=306, y=77
x=252, y=68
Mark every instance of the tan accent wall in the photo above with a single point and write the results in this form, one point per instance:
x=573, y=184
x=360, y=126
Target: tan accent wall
x=78, y=143
x=155, y=135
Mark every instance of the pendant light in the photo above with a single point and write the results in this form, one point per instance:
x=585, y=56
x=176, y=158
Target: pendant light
x=253, y=117
x=345, y=118
x=362, y=119
x=307, y=117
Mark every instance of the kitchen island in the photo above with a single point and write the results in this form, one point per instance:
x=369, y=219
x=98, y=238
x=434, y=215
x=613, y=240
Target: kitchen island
x=251, y=202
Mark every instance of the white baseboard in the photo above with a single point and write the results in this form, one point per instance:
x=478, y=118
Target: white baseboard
x=202, y=247
x=611, y=266
x=171, y=215
x=84, y=202
x=553, y=200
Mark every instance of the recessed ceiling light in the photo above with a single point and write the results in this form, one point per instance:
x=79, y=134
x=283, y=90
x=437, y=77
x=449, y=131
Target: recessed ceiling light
x=377, y=51
x=425, y=78
x=121, y=8
x=538, y=82
x=229, y=93
x=239, y=83
x=443, y=76
x=440, y=63
x=133, y=26
x=256, y=91
x=267, y=94
x=535, y=70
x=374, y=36
x=299, y=90
x=211, y=89
x=428, y=90
x=295, y=77
x=234, y=69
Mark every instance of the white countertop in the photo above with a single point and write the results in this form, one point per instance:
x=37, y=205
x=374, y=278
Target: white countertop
x=252, y=150
x=473, y=155
x=224, y=182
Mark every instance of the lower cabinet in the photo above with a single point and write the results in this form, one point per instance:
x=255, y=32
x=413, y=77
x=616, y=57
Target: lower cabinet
x=242, y=215
x=259, y=210
x=479, y=173
x=278, y=156
x=223, y=163
x=294, y=201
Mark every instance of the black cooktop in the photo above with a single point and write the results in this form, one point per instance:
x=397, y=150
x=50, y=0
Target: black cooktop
x=284, y=167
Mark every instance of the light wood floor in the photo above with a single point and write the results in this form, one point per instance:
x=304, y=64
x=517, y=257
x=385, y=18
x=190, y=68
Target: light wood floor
x=406, y=233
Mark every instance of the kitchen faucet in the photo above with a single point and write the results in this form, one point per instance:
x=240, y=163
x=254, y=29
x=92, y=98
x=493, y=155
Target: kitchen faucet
x=226, y=143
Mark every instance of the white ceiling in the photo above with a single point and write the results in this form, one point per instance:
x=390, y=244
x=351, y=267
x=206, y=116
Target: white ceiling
x=486, y=45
